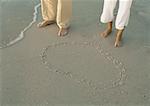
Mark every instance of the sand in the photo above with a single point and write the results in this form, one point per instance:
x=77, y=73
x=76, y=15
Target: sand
x=81, y=69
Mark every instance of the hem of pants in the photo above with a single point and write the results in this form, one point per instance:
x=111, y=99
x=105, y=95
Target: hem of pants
x=120, y=28
x=63, y=26
x=49, y=20
x=104, y=21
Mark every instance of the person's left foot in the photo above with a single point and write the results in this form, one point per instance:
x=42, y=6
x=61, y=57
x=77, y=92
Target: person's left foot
x=118, y=38
x=63, y=31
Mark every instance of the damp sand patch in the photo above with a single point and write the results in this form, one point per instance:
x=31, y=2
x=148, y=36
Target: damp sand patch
x=17, y=18
x=86, y=63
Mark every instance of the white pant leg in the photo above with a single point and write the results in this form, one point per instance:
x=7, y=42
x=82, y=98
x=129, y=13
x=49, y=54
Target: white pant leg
x=123, y=14
x=49, y=8
x=108, y=9
x=64, y=13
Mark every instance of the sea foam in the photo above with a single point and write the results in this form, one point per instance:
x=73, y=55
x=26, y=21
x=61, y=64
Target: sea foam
x=22, y=32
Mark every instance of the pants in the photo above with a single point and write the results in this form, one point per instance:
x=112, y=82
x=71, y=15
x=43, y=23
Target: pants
x=123, y=12
x=57, y=10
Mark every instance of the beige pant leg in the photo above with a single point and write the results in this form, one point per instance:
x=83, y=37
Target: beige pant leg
x=64, y=13
x=49, y=8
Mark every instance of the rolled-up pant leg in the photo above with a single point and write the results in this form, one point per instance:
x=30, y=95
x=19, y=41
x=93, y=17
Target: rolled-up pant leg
x=64, y=12
x=123, y=14
x=49, y=9
x=108, y=9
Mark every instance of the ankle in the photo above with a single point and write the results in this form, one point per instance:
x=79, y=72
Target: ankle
x=109, y=28
x=109, y=25
x=119, y=31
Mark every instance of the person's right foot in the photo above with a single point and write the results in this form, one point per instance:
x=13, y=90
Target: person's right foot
x=118, y=38
x=45, y=23
x=107, y=31
x=63, y=31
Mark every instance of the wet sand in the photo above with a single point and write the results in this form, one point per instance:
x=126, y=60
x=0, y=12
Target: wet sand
x=81, y=69
x=15, y=20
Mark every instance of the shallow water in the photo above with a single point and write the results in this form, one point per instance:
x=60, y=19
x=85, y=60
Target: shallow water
x=16, y=17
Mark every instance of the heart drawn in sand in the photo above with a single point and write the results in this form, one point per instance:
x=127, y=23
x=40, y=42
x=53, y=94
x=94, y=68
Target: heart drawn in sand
x=86, y=63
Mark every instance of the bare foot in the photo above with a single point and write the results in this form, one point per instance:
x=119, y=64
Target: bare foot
x=108, y=30
x=118, y=38
x=45, y=23
x=63, y=31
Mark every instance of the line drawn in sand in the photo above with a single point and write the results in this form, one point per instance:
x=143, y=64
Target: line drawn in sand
x=94, y=87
